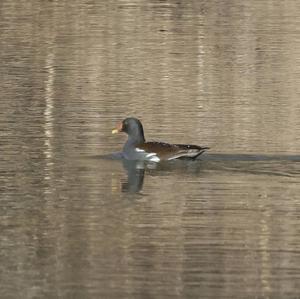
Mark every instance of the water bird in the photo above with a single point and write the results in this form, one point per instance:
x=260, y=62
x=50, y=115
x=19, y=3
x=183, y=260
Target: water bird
x=136, y=147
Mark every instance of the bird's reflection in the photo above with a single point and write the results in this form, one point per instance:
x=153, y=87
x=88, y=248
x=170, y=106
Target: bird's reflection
x=136, y=171
x=135, y=176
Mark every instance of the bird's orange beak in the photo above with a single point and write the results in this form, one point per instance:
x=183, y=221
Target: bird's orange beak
x=118, y=128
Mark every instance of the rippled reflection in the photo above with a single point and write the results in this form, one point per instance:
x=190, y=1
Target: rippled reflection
x=48, y=114
x=137, y=170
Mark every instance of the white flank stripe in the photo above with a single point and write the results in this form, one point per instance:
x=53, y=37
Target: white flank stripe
x=139, y=150
x=154, y=159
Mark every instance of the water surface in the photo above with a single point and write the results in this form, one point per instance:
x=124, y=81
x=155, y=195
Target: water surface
x=222, y=74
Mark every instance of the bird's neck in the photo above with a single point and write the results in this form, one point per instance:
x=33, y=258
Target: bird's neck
x=134, y=140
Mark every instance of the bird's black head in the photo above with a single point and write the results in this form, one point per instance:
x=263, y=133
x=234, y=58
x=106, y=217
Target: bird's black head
x=133, y=128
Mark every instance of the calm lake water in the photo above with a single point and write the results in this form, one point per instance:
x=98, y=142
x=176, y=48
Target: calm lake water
x=223, y=74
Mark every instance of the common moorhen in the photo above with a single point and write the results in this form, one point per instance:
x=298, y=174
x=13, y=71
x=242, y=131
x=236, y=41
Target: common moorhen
x=136, y=147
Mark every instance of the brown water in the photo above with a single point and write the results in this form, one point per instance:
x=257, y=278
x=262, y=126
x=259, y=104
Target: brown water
x=223, y=74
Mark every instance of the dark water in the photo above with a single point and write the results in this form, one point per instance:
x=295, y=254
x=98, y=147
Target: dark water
x=223, y=74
